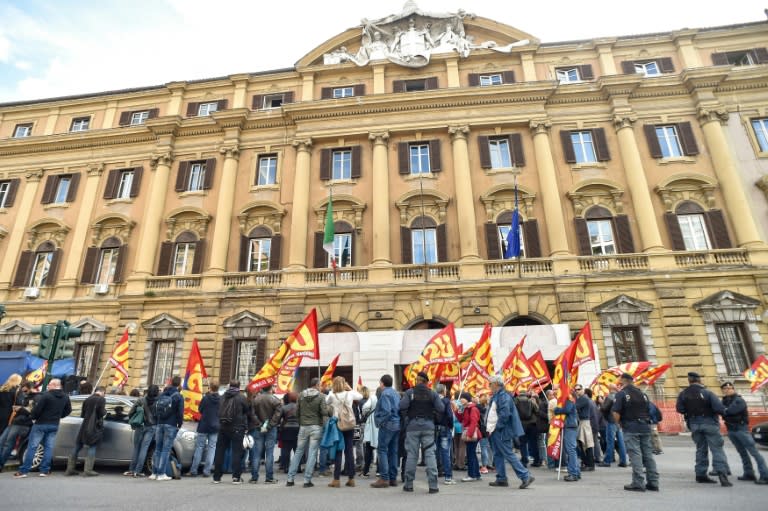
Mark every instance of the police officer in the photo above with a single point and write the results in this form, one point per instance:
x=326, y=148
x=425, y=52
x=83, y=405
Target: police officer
x=631, y=409
x=701, y=408
x=736, y=419
x=420, y=405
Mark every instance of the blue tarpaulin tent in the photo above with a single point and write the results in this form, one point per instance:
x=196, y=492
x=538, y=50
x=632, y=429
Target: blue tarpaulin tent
x=22, y=362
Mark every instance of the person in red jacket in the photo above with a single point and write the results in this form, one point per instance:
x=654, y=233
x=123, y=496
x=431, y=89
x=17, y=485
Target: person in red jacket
x=469, y=416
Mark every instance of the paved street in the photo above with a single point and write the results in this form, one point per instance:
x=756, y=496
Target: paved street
x=602, y=488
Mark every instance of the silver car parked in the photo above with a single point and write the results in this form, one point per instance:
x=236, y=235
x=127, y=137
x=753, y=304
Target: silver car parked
x=116, y=447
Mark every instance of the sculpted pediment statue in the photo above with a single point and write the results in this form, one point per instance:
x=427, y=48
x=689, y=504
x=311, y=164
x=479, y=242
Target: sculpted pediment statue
x=412, y=36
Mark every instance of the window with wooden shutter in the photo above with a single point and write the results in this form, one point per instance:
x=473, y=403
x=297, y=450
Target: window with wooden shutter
x=320, y=255
x=258, y=102
x=628, y=67
x=89, y=265
x=403, y=158
x=53, y=270
x=485, y=152
x=122, y=254
x=359, y=89
x=717, y=228
x=653, y=141
x=192, y=109
x=687, y=140
x=356, y=162
x=582, y=236
x=586, y=72
x=222, y=104
x=72, y=192
x=508, y=76
x=326, y=93
x=666, y=65
x=227, y=360
x=516, y=150
x=325, y=164
x=601, y=145
x=11, y=187
x=125, y=118
x=442, y=243
x=276, y=252
x=430, y=83
x=674, y=231
x=49, y=190
x=492, y=240
x=474, y=79
x=406, y=251
x=166, y=258
x=110, y=190
x=568, y=151
x=183, y=176
x=531, y=235
x=197, y=264
x=138, y=172
x=624, y=239
x=210, y=169
x=245, y=245
x=435, y=161
x=22, y=270
x=398, y=86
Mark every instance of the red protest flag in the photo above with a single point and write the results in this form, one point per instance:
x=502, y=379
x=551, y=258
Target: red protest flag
x=440, y=349
x=192, y=387
x=539, y=369
x=757, y=374
x=585, y=349
x=327, y=376
x=563, y=375
x=480, y=368
x=119, y=360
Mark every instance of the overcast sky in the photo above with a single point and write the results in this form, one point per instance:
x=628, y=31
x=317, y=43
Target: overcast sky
x=52, y=48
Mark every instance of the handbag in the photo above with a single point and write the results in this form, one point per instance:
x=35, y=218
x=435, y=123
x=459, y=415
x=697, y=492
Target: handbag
x=474, y=437
x=247, y=441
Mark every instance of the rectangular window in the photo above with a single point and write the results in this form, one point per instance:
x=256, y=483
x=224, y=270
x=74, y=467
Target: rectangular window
x=424, y=246
x=733, y=345
x=488, y=80
x=694, y=230
x=84, y=358
x=204, y=109
x=267, y=170
x=648, y=69
x=62, y=189
x=22, y=130
x=500, y=156
x=273, y=101
x=761, y=133
x=583, y=146
x=415, y=85
x=40, y=269
x=258, y=254
x=107, y=266
x=196, y=177
x=342, y=250
x=183, y=258
x=669, y=141
x=568, y=75
x=740, y=58
x=627, y=344
x=343, y=92
x=162, y=362
x=125, y=184
x=601, y=237
x=80, y=124
x=5, y=187
x=419, y=158
x=139, y=117
x=247, y=361
x=341, y=164
x=503, y=233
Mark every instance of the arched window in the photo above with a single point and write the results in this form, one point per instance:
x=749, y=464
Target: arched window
x=343, y=246
x=182, y=257
x=424, y=242
x=599, y=232
x=260, y=250
x=692, y=228
x=496, y=236
x=38, y=268
x=104, y=265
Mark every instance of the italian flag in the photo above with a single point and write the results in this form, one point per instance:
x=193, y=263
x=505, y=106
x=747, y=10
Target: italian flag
x=329, y=232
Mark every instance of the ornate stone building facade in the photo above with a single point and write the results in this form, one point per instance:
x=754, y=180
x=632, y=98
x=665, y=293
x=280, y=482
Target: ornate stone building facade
x=197, y=209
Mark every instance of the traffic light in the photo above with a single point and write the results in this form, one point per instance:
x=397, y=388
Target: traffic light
x=66, y=334
x=46, y=344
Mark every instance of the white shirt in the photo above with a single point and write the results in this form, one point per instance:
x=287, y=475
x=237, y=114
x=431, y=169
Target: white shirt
x=492, y=419
x=334, y=399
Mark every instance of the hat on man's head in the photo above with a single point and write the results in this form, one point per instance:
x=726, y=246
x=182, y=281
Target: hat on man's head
x=422, y=376
x=694, y=376
x=726, y=384
x=627, y=377
x=466, y=395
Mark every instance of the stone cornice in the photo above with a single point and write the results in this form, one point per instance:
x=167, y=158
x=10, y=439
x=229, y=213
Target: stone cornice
x=75, y=141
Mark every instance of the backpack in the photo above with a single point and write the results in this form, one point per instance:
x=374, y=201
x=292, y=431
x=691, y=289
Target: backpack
x=481, y=424
x=346, y=416
x=525, y=409
x=136, y=419
x=447, y=419
x=227, y=411
x=164, y=408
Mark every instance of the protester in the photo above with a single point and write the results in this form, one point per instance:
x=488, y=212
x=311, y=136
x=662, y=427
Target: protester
x=656, y=418
x=233, y=420
x=311, y=411
x=267, y=408
x=444, y=434
x=370, y=431
x=503, y=425
x=701, y=408
x=21, y=423
x=736, y=418
x=614, y=436
x=207, y=431
x=459, y=447
x=48, y=411
x=594, y=422
x=570, y=435
x=486, y=460
x=528, y=409
x=169, y=417
x=469, y=416
x=585, y=437
x=288, y=430
x=339, y=399
x=90, y=434
x=631, y=410
x=551, y=405
x=387, y=419
x=144, y=433
x=8, y=396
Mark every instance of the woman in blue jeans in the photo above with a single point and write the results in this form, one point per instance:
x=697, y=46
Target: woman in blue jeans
x=569, y=437
x=143, y=436
x=469, y=416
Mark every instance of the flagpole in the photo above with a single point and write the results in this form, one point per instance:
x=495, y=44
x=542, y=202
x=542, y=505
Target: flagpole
x=562, y=446
x=101, y=375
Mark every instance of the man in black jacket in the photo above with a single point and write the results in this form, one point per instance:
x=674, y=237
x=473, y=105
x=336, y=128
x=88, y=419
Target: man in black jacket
x=736, y=417
x=169, y=416
x=207, y=431
x=233, y=419
x=91, y=431
x=47, y=413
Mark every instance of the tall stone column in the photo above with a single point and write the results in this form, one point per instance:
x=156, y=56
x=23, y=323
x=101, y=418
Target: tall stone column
x=650, y=236
x=19, y=229
x=149, y=242
x=381, y=234
x=75, y=253
x=465, y=207
x=734, y=197
x=550, y=192
x=224, y=207
x=297, y=255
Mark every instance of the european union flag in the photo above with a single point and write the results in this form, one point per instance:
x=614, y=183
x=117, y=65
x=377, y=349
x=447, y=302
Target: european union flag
x=513, y=236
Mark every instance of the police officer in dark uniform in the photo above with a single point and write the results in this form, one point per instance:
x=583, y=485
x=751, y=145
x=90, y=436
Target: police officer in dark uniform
x=421, y=405
x=736, y=419
x=701, y=408
x=631, y=409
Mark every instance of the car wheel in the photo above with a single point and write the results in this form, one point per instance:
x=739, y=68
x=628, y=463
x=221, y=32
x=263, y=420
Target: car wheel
x=148, y=459
x=37, y=459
